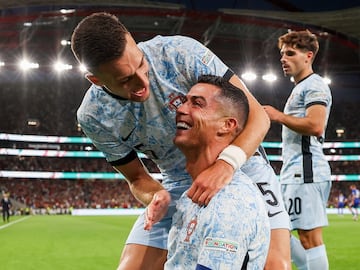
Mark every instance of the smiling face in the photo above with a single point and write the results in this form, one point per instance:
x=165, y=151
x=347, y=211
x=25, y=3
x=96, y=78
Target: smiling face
x=199, y=120
x=126, y=76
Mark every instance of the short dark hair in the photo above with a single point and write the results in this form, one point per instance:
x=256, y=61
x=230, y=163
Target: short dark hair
x=97, y=39
x=233, y=99
x=302, y=40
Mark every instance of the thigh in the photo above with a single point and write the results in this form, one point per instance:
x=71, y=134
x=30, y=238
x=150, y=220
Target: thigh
x=279, y=250
x=157, y=236
x=140, y=257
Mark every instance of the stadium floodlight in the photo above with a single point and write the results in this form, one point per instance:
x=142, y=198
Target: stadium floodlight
x=327, y=80
x=33, y=122
x=59, y=66
x=269, y=77
x=65, y=42
x=340, y=132
x=82, y=68
x=2, y=64
x=249, y=76
x=66, y=11
x=26, y=65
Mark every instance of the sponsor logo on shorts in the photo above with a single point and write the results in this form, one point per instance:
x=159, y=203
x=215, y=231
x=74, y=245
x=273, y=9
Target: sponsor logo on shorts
x=221, y=244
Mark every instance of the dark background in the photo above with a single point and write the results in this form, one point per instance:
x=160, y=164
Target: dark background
x=242, y=33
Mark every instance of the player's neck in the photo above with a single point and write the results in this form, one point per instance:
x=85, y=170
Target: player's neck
x=201, y=160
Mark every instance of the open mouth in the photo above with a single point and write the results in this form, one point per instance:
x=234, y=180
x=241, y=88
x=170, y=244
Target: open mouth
x=139, y=93
x=183, y=126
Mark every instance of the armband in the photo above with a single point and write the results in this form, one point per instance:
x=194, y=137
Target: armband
x=233, y=155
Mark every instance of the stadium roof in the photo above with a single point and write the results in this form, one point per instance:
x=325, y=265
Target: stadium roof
x=243, y=33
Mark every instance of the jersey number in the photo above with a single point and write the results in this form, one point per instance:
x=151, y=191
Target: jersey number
x=273, y=200
x=294, y=206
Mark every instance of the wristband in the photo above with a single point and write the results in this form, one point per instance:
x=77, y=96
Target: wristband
x=233, y=155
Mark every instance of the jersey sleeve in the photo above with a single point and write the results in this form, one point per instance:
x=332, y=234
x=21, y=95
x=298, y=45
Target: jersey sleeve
x=99, y=132
x=317, y=93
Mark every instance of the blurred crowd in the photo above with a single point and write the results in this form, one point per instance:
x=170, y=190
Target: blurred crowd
x=52, y=105
x=51, y=108
x=59, y=196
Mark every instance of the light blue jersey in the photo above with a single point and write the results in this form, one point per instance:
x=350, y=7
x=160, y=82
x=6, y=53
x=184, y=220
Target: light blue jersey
x=117, y=127
x=230, y=232
x=303, y=157
x=120, y=128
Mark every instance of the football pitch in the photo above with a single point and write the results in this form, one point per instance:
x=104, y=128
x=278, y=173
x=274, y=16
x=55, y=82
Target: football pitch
x=95, y=242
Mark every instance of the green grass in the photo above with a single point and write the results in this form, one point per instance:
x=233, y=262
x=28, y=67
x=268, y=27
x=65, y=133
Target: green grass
x=342, y=240
x=91, y=243
x=64, y=242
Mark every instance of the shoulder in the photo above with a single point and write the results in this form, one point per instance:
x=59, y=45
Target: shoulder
x=316, y=82
x=168, y=41
x=165, y=46
x=98, y=106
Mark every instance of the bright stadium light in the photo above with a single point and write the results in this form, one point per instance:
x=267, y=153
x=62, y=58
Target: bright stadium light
x=65, y=42
x=327, y=80
x=26, y=65
x=249, y=76
x=2, y=64
x=82, y=68
x=269, y=77
x=66, y=11
x=60, y=66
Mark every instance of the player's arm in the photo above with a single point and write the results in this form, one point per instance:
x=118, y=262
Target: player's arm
x=141, y=184
x=257, y=125
x=312, y=124
x=211, y=180
x=147, y=190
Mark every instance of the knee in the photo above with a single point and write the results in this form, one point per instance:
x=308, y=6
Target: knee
x=278, y=263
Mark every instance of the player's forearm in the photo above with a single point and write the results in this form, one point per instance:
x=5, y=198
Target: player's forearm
x=257, y=125
x=255, y=130
x=144, y=189
x=302, y=125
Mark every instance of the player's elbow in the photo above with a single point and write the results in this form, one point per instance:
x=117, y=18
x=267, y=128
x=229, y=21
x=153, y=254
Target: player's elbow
x=317, y=131
x=266, y=124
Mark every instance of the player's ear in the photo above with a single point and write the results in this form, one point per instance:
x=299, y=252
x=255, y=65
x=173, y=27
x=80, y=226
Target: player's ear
x=93, y=79
x=229, y=126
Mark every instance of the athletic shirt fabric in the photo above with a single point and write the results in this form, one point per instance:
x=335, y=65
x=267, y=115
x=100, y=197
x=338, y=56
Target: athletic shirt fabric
x=303, y=157
x=118, y=127
x=230, y=232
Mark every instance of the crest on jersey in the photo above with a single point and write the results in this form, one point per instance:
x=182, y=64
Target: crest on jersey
x=207, y=57
x=190, y=229
x=176, y=101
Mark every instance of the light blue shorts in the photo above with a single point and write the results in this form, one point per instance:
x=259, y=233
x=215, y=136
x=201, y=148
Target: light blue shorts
x=158, y=235
x=306, y=204
x=261, y=172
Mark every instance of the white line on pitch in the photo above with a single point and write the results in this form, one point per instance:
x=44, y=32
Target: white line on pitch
x=12, y=223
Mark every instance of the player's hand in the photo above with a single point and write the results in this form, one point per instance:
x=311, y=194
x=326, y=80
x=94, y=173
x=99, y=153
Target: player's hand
x=209, y=182
x=273, y=113
x=157, y=208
